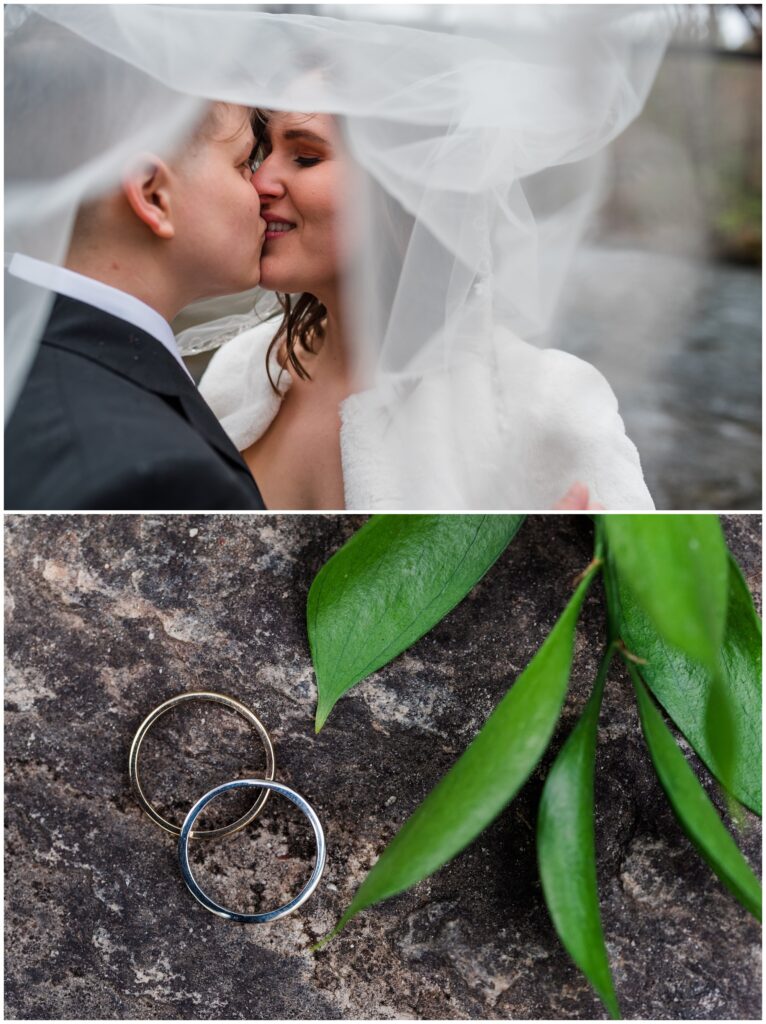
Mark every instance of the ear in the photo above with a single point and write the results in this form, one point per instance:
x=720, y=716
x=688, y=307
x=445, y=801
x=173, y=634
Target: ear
x=147, y=190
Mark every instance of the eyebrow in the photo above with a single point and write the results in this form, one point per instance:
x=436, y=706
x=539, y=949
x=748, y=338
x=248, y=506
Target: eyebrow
x=303, y=133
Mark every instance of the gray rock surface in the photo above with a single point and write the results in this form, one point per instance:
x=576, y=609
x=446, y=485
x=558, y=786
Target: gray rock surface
x=109, y=616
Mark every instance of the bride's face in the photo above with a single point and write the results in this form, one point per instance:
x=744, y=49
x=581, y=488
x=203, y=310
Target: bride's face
x=304, y=172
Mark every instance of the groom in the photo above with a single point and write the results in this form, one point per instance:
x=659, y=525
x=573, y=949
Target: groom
x=109, y=417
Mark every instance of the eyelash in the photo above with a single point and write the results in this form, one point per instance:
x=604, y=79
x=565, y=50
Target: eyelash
x=253, y=162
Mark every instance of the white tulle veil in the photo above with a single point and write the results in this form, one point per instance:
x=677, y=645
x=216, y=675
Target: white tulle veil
x=478, y=132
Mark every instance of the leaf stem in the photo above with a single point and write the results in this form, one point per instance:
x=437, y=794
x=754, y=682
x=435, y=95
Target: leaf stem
x=629, y=655
x=603, y=671
x=613, y=609
x=595, y=563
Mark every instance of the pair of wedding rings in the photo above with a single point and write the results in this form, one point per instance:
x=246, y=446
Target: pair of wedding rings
x=186, y=831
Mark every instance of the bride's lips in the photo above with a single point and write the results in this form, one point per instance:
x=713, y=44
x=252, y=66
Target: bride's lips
x=277, y=227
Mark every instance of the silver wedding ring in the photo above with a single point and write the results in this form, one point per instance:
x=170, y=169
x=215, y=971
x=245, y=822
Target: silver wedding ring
x=186, y=831
x=232, y=915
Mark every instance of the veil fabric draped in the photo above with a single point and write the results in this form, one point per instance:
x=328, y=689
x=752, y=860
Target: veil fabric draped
x=478, y=133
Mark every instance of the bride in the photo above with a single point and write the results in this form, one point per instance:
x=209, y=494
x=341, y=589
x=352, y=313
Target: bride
x=278, y=388
x=517, y=427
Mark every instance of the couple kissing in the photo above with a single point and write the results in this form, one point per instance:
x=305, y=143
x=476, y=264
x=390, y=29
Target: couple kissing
x=110, y=417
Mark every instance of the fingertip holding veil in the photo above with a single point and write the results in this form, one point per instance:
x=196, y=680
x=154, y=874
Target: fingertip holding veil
x=477, y=134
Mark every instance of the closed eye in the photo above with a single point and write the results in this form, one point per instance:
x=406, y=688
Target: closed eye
x=307, y=161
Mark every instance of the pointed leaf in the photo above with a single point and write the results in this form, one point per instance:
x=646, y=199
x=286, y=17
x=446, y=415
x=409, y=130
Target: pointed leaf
x=677, y=569
x=487, y=776
x=693, y=807
x=392, y=582
x=684, y=688
x=566, y=850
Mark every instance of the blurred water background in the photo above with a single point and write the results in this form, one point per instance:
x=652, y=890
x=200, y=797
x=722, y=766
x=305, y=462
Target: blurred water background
x=666, y=296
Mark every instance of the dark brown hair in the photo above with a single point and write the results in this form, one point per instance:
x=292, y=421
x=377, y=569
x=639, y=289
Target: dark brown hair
x=303, y=317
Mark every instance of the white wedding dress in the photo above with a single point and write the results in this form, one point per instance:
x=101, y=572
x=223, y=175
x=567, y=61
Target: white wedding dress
x=520, y=429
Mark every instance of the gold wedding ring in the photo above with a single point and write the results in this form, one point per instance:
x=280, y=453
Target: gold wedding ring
x=148, y=722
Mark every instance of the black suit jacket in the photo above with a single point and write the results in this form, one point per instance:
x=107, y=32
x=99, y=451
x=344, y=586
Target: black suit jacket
x=108, y=420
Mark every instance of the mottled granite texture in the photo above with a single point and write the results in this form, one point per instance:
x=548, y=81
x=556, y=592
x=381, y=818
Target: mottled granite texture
x=108, y=616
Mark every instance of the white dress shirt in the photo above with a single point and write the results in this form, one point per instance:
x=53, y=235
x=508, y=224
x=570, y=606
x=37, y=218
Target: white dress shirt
x=96, y=293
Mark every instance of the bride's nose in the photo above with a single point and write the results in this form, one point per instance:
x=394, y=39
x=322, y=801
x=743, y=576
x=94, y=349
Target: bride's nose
x=267, y=182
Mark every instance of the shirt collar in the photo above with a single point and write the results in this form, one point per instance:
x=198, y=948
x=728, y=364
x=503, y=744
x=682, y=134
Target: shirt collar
x=96, y=293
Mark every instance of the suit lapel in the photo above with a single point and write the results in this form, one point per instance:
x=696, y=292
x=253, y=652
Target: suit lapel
x=202, y=418
x=127, y=350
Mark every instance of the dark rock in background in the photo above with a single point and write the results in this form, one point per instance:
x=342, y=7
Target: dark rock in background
x=107, y=616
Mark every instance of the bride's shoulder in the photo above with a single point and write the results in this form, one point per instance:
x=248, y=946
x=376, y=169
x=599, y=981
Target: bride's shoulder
x=246, y=349
x=570, y=416
x=237, y=387
x=513, y=352
x=548, y=379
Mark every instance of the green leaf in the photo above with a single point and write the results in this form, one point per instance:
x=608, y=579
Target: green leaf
x=391, y=583
x=566, y=850
x=686, y=689
x=693, y=807
x=678, y=571
x=487, y=776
